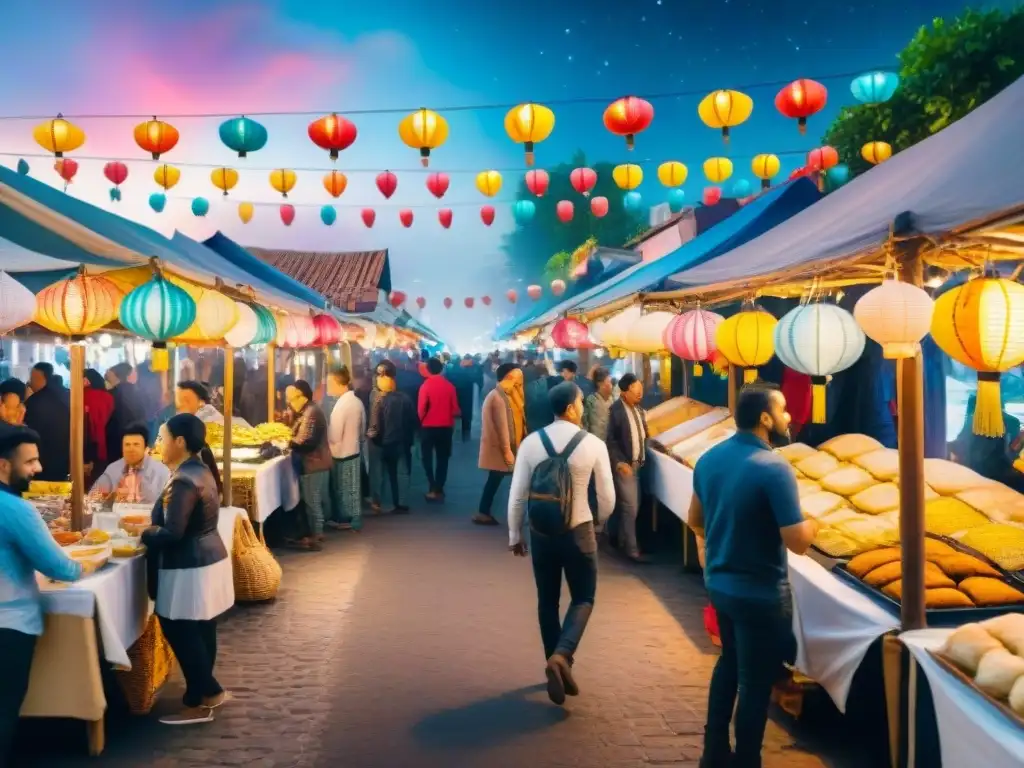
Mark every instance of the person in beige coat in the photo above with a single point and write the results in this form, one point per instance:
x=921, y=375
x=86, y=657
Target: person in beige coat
x=502, y=429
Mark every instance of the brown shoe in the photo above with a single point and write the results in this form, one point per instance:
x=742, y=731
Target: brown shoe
x=565, y=668
x=375, y=507
x=212, y=702
x=481, y=519
x=556, y=683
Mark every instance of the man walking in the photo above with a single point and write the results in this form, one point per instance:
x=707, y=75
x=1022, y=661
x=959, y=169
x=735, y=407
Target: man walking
x=345, y=433
x=311, y=455
x=627, y=449
x=549, y=484
x=745, y=511
x=438, y=409
x=392, y=431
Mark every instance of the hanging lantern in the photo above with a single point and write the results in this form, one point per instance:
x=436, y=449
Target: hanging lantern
x=875, y=87
x=712, y=195
x=58, y=136
x=534, y=291
x=583, y=180
x=876, y=152
x=387, y=183
x=23, y=167
x=245, y=330
x=529, y=124
x=627, y=117
x=116, y=173
x=765, y=167
x=78, y=305
x=719, y=365
x=327, y=330
x=200, y=206
x=156, y=137
x=468, y=302
x=897, y=316
x=537, y=182
x=224, y=179
x=335, y=183
x=558, y=287
x=801, y=99
x=647, y=334
x=837, y=176
x=158, y=310
x=283, y=181
x=421, y=302
x=691, y=336
x=512, y=296
x=245, y=212
x=599, y=206
x=17, y=304
x=612, y=333
x=166, y=176
x=741, y=188
x=489, y=183
x=437, y=184
x=800, y=173
x=396, y=299
x=405, y=216
x=447, y=303
x=676, y=200
x=215, y=314
x=423, y=130
x=486, y=300
x=571, y=334
x=818, y=340
x=266, y=324
x=822, y=158
x=747, y=340
x=368, y=215
x=487, y=214
x=287, y=213
x=243, y=135
x=672, y=173
x=564, y=211
x=445, y=217
x=157, y=202
x=523, y=211
x=980, y=324
x=328, y=215
x=66, y=168
x=717, y=169
x=628, y=176
x=333, y=133
x=632, y=202
x=725, y=110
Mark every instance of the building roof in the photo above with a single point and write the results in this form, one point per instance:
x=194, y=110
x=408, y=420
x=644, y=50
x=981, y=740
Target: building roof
x=350, y=280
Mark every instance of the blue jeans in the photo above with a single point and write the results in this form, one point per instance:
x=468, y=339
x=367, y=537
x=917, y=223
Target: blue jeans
x=757, y=639
x=575, y=554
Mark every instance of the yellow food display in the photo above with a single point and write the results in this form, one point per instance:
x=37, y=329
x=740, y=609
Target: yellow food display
x=96, y=536
x=673, y=412
x=1003, y=544
x=847, y=481
x=946, y=516
x=847, y=447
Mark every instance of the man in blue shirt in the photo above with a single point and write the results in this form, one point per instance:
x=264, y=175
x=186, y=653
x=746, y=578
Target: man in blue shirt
x=136, y=478
x=26, y=546
x=745, y=510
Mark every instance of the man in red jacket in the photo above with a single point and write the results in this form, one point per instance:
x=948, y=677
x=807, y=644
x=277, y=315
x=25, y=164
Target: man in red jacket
x=438, y=409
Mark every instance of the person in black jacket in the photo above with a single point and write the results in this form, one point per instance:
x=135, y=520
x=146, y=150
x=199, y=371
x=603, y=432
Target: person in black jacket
x=393, y=424
x=48, y=413
x=627, y=449
x=129, y=407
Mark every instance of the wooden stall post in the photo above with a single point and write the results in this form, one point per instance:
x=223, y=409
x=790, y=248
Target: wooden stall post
x=229, y=408
x=646, y=375
x=271, y=383
x=584, y=355
x=77, y=435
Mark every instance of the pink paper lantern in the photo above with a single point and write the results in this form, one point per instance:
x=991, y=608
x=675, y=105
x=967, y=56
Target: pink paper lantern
x=328, y=330
x=558, y=287
x=564, y=211
x=534, y=292
x=691, y=336
x=571, y=334
x=599, y=206
x=712, y=195
x=512, y=296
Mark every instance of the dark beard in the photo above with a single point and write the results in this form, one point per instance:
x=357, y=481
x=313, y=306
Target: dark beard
x=19, y=484
x=779, y=439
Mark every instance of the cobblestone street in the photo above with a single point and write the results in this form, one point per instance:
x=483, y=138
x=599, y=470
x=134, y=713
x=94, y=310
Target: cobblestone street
x=415, y=644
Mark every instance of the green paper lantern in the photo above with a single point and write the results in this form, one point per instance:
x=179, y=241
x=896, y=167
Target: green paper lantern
x=266, y=325
x=158, y=310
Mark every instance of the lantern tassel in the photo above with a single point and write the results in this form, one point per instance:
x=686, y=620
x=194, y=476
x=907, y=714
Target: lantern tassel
x=988, y=413
x=698, y=369
x=161, y=360
x=819, y=412
x=528, y=145
x=749, y=375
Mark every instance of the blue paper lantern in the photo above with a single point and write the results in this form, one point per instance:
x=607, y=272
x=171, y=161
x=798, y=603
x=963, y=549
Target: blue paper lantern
x=23, y=168
x=836, y=176
x=741, y=188
x=115, y=195
x=158, y=310
x=157, y=201
x=328, y=215
x=266, y=325
x=631, y=201
x=676, y=200
x=523, y=211
x=200, y=206
x=243, y=135
x=875, y=87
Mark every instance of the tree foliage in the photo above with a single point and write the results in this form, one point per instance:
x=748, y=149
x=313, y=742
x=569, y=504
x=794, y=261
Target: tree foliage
x=531, y=246
x=947, y=69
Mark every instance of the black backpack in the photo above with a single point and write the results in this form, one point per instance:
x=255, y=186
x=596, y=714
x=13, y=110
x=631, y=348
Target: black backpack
x=549, y=505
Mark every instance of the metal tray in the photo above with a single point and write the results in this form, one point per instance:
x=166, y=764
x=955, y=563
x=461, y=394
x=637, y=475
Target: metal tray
x=959, y=674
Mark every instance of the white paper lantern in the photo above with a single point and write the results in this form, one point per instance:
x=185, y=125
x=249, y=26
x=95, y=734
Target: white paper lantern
x=647, y=334
x=818, y=340
x=896, y=315
x=613, y=333
x=17, y=304
x=244, y=331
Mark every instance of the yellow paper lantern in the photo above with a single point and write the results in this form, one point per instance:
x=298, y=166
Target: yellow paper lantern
x=245, y=212
x=747, y=340
x=981, y=325
x=627, y=176
x=529, y=124
x=718, y=169
x=166, y=176
x=646, y=335
x=672, y=174
x=224, y=179
x=725, y=110
x=216, y=314
x=283, y=180
x=58, y=136
x=876, y=152
x=79, y=305
x=488, y=182
x=897, y=316
x=613, y=331
x=423, y=130
x=765, y=167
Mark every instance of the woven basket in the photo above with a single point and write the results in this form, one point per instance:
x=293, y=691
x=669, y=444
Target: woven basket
x=243, y=493
x=152, y=663
x=257, y=573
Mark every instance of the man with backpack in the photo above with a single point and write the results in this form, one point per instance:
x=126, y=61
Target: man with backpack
x=549, y=488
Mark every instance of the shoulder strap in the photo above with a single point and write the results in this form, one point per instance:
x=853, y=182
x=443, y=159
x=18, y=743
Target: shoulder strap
x=576, y=440
x=547, y=443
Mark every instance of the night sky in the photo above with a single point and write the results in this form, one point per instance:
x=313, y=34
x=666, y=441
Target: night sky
x=295, y=55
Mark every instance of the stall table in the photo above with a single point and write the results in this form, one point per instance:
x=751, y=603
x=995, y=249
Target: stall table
x=262, y=489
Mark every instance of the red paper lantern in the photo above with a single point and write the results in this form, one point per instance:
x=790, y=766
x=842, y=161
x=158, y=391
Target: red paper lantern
x=421, y=302
x=512, y=296
x=801, y=99
x=599, y=206
x=438, y=183
x=534, y=292
x=804, y=171
x=627, y=117
x=66, y=168
x=387, y=183
x=156, y=137
x=712, y=195
x=368, y=216
x=571, y=334
x=405, y=216
x=558, y=287
x=333, y=133
x=397, y=299
x=445, y=217
x=537, y=182
x=822, y=158
x=328, y=330
x=447, y=303
x=583, y=180
x=691, y=336
x=564, y=210
x=116, y=173
x=468, y=301
x=287, y=212
x=486, y=300
x=487, y=214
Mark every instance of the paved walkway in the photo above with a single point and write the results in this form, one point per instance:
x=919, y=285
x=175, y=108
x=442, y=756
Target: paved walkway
x=414, y=644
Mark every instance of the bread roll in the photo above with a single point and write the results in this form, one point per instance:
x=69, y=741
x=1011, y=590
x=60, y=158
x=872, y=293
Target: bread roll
x=1016, y=698
x=1007, y=629
x=862, y=565
x=998, y=670
x=967, y=644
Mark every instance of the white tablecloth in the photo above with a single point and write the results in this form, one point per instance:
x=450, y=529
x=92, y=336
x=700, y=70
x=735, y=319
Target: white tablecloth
x=691, y=427
x=277, y=485
x=971, y=731
x=669, y=482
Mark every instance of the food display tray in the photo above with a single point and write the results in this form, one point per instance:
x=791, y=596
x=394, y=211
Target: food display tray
x=960, y=675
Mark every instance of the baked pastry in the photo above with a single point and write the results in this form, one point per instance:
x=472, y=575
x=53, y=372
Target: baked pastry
x=96, y=536
x=806, y=487
x=985, y=591
x=946, y=516
x=949, y=478
x=871, y=531
x=959, y=566
x=934, y=547
x=847, y=481
x=1007, y=629
x=879, y=498
x=890, y=572
x=967, y=644
x=998, y=502
x=841, y=515
x=946, y=597
x=1016, y=697
x=1001, y=543
x=794, y=452
x=817, y=505
x=883, y=464
x=894, y=590
x=846, y=447
x=818, y=465
x=863, y=564
x=998, y=671
x=66, y=538
x=834, y=544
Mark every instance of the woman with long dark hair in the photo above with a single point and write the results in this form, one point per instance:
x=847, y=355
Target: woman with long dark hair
x=190, y=572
